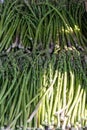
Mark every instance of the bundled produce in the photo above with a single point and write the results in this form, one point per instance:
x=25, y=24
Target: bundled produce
x=21, y=25
x=43, y=64
x=33, y=88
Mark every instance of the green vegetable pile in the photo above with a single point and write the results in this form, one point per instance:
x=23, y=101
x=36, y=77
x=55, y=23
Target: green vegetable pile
x=43, y=63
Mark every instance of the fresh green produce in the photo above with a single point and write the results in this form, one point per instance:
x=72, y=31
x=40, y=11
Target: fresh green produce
x=43, y=64
x=34, y=89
